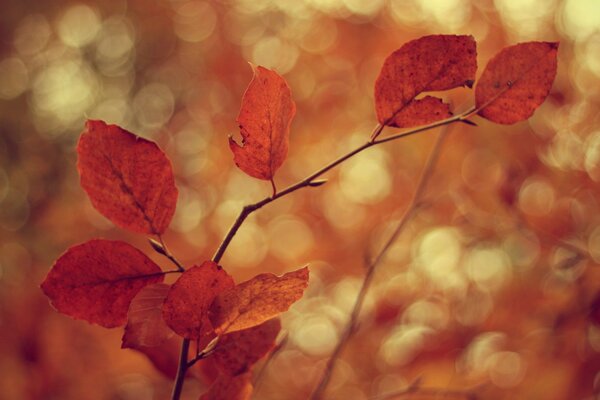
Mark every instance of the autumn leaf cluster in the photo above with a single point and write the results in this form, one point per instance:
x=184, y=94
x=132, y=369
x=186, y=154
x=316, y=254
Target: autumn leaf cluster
x=131, y=182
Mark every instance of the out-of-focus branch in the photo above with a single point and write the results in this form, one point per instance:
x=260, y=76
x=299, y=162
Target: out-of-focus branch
x=351, y=326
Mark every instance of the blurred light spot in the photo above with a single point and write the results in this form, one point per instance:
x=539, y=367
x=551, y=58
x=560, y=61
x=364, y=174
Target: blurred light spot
x=523, y=251
x=32, y=34
x=438, y=253
x=403, y=344
x=274, y=53
x=474, y=307
x=14, y=78
x=565, y=152
x=153, y=106
x=580, y=18
x=116, y=40
x=366, y=179
x=14, y=210
x=592, y=156
x=527, y=18
x=567, y=265
x=289, y=237
x=345, y=293
x=473, y=361
x=191, y=140
x=406, y=12
x=303, y=84
x=63, y=91
x=482, y=170
x=190, y=211
x=78, y=26
x=536, y=197
x=321, y=37
x=426, y=313
x=315, y=335
x=505, y=368
x=339, y=212
x=489, y=268
x=249, y=247
x=364, y=8
x=195, y=21
x=450, y=14
x=116, y=111
x=242, y=30
x=589, y=56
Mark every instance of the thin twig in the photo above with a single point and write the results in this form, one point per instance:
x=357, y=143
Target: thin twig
x=352, y=322
x=306, y=182
x=270, y=357
x=167, y=253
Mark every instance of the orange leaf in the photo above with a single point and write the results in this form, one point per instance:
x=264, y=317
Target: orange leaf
x=257, y=300
x=185, y=308
x=145, y=324
x=128, y=179
x=95, y=281
x=265, y=117
x=230, y=388
x=436, y=62
x=238, y=351
x=516, y=81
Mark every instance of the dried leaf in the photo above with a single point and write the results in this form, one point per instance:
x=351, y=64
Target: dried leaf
x=96, y=281
x=185, y=308
x=257, y=300
x=128, y=179
x=230, y=388
x=265, y=116
x=237, y=352
x=516, y=81
x=436, y=62
x=145, y=324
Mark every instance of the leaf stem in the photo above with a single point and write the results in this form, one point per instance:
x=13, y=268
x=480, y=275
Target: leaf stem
x=167, y=253
x=352, y=324
x=250, y=208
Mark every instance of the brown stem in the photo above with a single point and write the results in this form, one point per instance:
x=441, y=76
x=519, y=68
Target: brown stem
x=167, y=253
x=353, y=321
x=308, y=181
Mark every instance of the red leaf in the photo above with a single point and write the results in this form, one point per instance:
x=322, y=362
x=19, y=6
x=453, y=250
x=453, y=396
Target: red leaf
x=97, y=280
x=238, y=351
x=185, y=308
x=257, y=300
x=145, y=324
x=128, y=179
x=265, y=116
x=516, y=81
x=436, y=62
x=230, y=388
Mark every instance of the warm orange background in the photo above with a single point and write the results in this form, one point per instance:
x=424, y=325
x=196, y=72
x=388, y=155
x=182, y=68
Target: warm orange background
x=492, y=283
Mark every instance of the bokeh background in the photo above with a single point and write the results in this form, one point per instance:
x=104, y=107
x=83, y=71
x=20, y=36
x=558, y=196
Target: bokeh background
x=493, y=285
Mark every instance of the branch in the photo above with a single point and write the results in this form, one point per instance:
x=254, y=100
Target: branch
x=161, y=248
x=352, y=323
x=306, y=182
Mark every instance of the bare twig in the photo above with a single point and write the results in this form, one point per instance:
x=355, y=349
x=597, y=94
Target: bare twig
x=352, y=322
x=161, y=248
x=306, y=182
x=270, y=357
